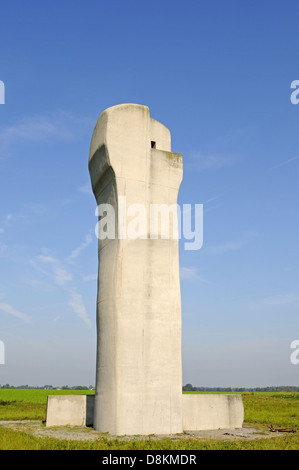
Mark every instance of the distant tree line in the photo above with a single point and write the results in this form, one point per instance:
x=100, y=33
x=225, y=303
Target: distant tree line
x=49, y=387
x=186, y=388
x=282, y=388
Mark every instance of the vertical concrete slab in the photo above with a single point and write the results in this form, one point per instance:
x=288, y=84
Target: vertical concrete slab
x=139, y=370
x=212, y=411
x=70, y=410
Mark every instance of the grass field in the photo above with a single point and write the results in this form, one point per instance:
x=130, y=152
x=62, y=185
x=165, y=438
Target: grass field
x=29, y=403
x=261, y=410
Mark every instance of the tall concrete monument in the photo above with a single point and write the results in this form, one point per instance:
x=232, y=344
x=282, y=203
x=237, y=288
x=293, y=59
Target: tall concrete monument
x=135, y=179
x=139, y=371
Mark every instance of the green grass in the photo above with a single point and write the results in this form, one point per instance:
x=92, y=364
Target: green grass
x=261, y=410
x=16, y=404
x=18, y=410
x=11, y=440
x=36, y=395
x=278, y=409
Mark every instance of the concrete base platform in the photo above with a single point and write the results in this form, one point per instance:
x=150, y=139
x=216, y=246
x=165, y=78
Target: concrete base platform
x=70, y=410
x=200, y=411
x=212, y=411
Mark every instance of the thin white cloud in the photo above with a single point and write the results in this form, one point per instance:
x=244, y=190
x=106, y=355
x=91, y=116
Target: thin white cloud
x=60, y=275
x=275, y=300
x=92, y=277
x=41, y=129
x=8, y=219
x=34, y=208
x=206, y=204
x=211, y=208
x=202, y=161
x=6, y=222
x=77, y=304
x=47, y=259
x=213, y=198
x=45, y=286
x=192, y=274
x=86, y=189
x=188, y=273
x=225, y=247
x=286, y=162
x=62, y=278
x=77, y=251
x=7, y=308
x=11, y=220
x=66, y=202
x=228, y=246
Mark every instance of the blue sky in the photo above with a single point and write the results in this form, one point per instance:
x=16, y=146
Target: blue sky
x=218, y=75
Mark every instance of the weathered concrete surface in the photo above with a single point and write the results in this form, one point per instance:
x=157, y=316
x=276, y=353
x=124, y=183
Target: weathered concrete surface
x=200, y=412
x=70, y=410
x=139, y=370
x=212, y=411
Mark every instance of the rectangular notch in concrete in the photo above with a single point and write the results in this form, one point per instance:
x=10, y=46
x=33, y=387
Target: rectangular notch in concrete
x=153, y=144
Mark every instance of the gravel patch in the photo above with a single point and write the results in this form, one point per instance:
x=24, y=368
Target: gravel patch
x=82, y=433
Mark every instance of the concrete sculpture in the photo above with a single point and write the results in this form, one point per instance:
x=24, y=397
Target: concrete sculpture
x=139, y=370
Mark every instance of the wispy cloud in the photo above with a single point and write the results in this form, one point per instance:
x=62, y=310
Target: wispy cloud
x=77, y=304
x=63, y=278
x=228, y=246
x=41, y=285
x=7, y=308
x=192, y=274
x=286, y=162
x=6, y=222
x=8, y=219
x=213, y=198
x=211, y=208
x=207, y=207
x=14, y=253
x=86, y=189
x=60, y=275
x=275, y=300
x=209, y=161
x=225, y=247
x=58, y=126
x=188, y=273
x=92, y=277
x=77, y=251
